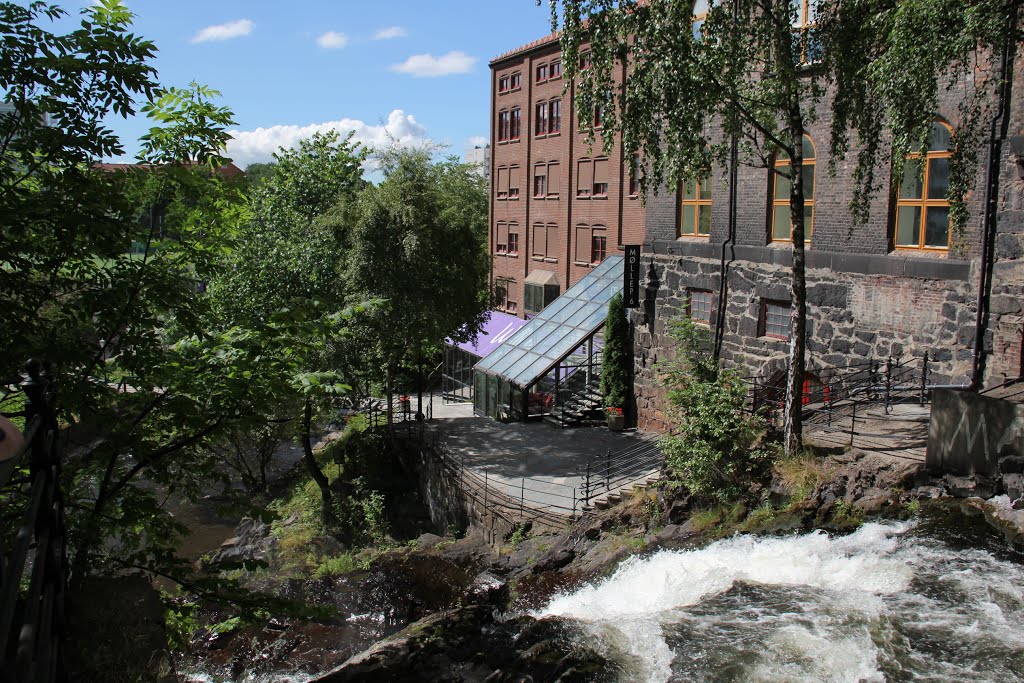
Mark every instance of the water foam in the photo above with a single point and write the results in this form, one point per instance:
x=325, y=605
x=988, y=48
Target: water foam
x=644, y=594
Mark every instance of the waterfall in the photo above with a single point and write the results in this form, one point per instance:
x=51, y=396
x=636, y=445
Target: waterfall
x=886, y=602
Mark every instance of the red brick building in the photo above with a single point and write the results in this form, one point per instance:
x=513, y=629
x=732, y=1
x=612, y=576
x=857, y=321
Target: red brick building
x=559, y=204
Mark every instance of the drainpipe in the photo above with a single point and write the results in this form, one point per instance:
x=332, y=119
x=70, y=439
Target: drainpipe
x=728, y=245
x=999, y=127
x=730, y=241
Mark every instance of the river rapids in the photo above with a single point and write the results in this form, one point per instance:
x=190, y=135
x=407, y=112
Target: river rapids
x=892, y=601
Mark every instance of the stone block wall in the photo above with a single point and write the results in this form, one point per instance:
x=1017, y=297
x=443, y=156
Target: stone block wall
x=852, y=316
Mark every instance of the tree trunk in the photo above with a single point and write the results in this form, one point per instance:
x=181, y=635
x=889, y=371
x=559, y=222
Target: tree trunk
x=390, y=391
x=786, y=60
x=326, y=499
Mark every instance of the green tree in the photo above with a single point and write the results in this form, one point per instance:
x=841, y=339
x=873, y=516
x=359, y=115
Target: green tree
x=714, y=449
x=289, y=256
x=743, y=84
x=617, y=359
x=420, y=244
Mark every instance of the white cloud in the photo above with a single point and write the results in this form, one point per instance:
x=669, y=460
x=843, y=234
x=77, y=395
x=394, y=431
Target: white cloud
x=428, y=66
x=248, y=146
x=476, y=141
x=232, y=29
x=332, y=40
x=390, y=32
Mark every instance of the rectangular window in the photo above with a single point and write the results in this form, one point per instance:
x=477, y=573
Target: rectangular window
x=513, y=182
x=598, y=245
x=503, y=122
x=775, y=319
x=503, y=84
x=542, y=73
x=502, y=287
x=516, y=81
x=585, y=178
x=541, y=122
x=502, y=185
x=501, y=239
x=540, y=178
x=554, y=179
x=585, y=61
x=513, y=240
x=600, y=177
x=582, y=252
x=598, y=115
x=634, y=176
x=700, y=306
x=554, y=116
x=513, y=129
x=695, y=208
x=538, y=240
x=552, y=242
x=555, y=71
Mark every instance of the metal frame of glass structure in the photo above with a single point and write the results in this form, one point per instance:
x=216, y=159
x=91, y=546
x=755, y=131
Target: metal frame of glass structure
x=554, y=355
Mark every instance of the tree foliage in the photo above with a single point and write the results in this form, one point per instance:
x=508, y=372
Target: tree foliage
x=715, y=449
x=748, y=77
x=420, y=244
x=617, y=357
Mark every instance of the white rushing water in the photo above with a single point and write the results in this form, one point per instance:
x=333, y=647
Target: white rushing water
x=883, y=603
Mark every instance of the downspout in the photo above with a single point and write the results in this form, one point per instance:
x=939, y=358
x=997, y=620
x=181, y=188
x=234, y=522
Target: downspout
x=730, y=241
x=729, y=245
x=999, y=128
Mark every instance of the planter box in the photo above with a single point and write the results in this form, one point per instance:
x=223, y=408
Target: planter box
x=616, y=422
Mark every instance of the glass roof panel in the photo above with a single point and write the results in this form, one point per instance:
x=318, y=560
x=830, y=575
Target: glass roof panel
x=559, y=329
x=511, y=357
x=515, y=373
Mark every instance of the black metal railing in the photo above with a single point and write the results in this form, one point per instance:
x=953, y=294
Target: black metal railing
x=883, y=381
x=33, y=559
x=544, y=501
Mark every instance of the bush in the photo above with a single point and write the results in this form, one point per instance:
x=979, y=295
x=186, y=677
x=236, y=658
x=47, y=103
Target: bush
x=617, y=360
x=716, y=449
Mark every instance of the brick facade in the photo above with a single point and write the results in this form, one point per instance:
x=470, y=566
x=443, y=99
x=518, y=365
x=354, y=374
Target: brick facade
x=866, y=299
x=554, y=229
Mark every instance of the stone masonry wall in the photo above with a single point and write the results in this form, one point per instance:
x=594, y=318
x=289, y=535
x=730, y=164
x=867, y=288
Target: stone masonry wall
x=851, y=317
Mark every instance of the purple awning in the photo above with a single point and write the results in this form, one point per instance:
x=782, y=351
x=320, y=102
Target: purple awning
x=498, y=327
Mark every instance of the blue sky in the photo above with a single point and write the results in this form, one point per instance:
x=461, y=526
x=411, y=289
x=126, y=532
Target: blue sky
x=417, y=68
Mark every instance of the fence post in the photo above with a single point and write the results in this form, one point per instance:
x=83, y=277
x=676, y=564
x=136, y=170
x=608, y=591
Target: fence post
x=853, y=421
x=522, y=494
x=924, y=376
x=485, y=489
x=608, y=471
x=572, y=517
x=888, y=382
x=586, y=486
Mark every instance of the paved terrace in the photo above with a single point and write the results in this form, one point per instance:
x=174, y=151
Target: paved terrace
x=535, y=460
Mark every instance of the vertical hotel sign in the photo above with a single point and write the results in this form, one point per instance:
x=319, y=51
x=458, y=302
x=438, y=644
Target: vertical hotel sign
x=631, y=277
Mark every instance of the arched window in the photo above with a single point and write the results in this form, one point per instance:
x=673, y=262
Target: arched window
x=922, y=209
x=782, y=224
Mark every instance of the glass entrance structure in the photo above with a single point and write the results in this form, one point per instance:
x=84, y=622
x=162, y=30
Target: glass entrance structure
x=460, y=357
x=554, y=360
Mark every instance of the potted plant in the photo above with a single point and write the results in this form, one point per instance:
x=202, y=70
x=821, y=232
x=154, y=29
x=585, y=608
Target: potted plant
x=616, y=420
x=616, y=363
x=405, y=403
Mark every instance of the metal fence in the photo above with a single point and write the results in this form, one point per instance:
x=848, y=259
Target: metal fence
x=33, y=569
x=543, y=501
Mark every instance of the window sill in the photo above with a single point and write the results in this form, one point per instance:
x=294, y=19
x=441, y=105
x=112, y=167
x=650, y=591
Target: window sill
x=766, y=338
x=600, y=196
x=633, y=196
x=543, y=259
x=583, y=196
x=692, y=237
x=513, y=199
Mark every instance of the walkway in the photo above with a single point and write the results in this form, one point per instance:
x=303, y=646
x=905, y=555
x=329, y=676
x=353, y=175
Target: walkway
x=901, y=433
x=539, y=463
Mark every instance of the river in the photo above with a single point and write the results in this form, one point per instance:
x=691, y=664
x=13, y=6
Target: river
x=931, y=599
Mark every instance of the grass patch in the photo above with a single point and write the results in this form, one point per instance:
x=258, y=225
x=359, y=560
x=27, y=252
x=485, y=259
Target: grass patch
x=759, y=520
x=800, y=475
x=845, y=515
x=702, y=520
